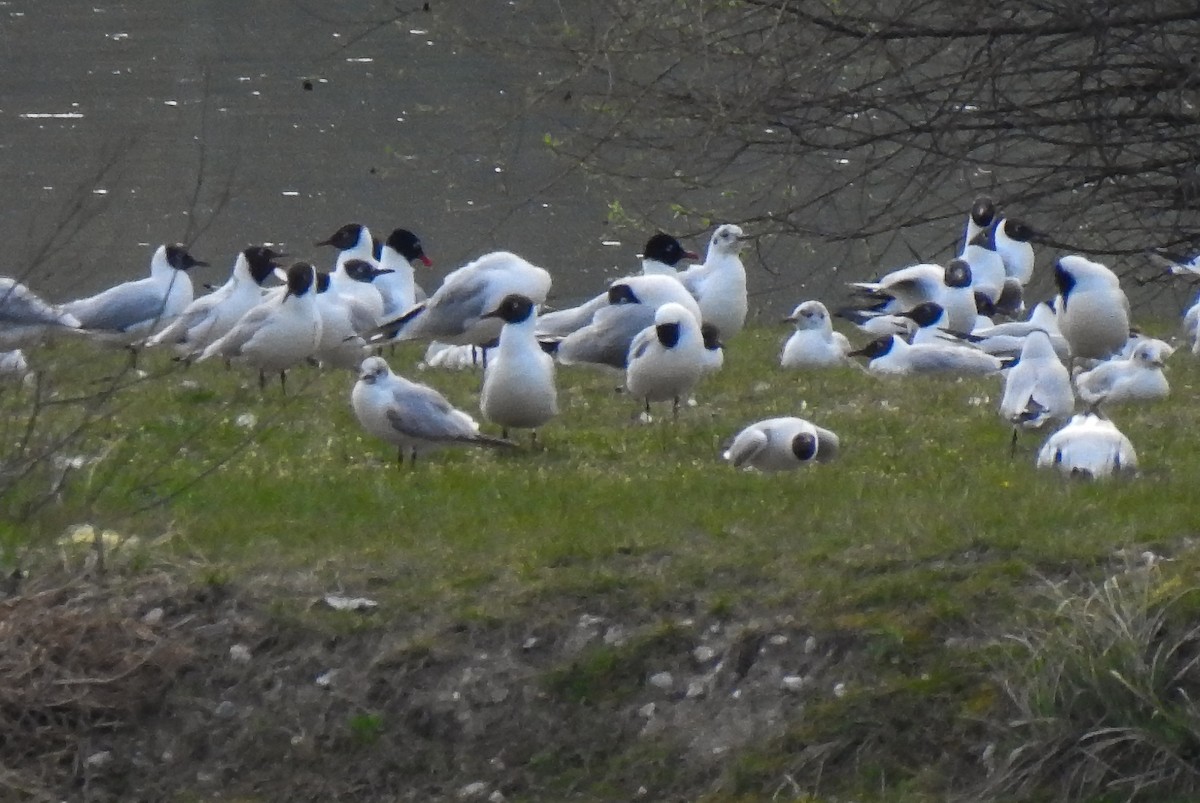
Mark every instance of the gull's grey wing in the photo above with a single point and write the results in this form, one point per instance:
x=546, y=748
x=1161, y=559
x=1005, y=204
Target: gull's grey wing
x=119, y=308
x=247, y=326
x=609, y=338
x=748, y=443
x=419, y=411
x=451, y=306
x=22, y=307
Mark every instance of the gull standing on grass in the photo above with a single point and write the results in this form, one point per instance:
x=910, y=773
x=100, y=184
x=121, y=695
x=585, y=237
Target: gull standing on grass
x=1089, y=446
x=814, y=344
x=666, y=360
x=413, y=417
x=141, y=306
x=1037, y=390
x=25, y=317
x=518, y=382
x=210, y=317
x=782, y=444
x=719, y=284
x=1093, y=312
x=279, y=333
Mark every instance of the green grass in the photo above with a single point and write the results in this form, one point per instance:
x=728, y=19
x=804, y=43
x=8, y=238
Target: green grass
x=922, y=530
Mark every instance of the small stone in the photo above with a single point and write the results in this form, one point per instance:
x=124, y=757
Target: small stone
x=614, y=636
x=839, y=690
x=496, y=797
x=239, y=654
x=810, y=645
x=704, y=653
x=226, y=710
x=696, y=688
x=641, y=792
x=588, y=621
x=530, y=643
x=647, y=710
x=662, y=680
x=792, y=683
x=325, y=679
x=246, y=420
x=152, y=616
x=497, y=764
x=472, y=790
x=777, y=640
x=98, y=759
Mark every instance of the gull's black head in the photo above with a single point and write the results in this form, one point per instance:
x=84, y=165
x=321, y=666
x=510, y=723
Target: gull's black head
x=345, y=237
x=262, y=260
x=668, y=333
x=179, y=258
x=1018, y=230
x=982, y=211
x=712, y=336
x=958, y=273
x=362, y=271
x=804, y=446
x=514, y=308
x=876, y=348
x=621, y=293
x=666, y=249
x=927, y=313
x=408, y=245
x=300, y=278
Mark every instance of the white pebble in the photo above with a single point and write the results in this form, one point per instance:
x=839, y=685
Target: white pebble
x=662, y=680
x=239, y=653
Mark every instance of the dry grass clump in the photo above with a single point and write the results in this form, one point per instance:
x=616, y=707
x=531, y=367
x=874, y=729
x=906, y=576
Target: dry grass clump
x=74, y=665
x=1104, y=695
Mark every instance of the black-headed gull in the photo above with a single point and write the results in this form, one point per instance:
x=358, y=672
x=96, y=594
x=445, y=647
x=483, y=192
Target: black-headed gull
x=518, y=382
x=814, y=344
x=454, y=313
x=987, y=266
x=210, y=317
x=413, y=417
x=630, y=306
x=1014, y=244
x=719, y=283
x=1092, y=309
x=141, y=306
x=666, y=360
x=982, y=215
x=399, y=287
x=1089, y=446
x=344, y=318
x=782, y=444
x=891, y=355
x=662, y=253
x=278, y=333
x=903, y=289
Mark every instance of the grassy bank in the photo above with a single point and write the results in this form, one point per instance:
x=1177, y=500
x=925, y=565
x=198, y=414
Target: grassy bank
x=894, y=571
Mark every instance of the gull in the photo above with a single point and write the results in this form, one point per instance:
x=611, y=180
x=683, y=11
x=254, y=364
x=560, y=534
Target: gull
x=631, y=305
x=518, y=382
x=343, y=320
x=454, y=313
x=1088, y=446
x=660, y=256
x=25, y=317
x=210, y=317
x=413, y=417
x=1013, y=240
x=878, y=324
x=891, y=355
x=1008, y=338
x=781, y=444
x=903, y=289
x=814, y=343
x=666, y=360
x=931, y=324
x=278, y=333
x=1037, y=390
x=987, y=266
x=138, y=307
x=1092, y=310
x=719, y=284
x=1136, y=378
x=398, y=287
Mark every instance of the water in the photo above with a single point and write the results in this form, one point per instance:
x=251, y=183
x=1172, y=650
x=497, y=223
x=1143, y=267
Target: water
x=223, y=123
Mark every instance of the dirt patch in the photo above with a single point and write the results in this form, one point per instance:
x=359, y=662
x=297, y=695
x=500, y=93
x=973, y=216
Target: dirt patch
x=156, y=687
